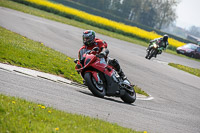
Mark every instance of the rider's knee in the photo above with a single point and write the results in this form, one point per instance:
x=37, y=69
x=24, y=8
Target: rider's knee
x=114, y=63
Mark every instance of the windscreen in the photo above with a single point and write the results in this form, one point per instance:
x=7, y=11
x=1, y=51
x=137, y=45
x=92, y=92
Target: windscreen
x=82, y=51
x=189, y=46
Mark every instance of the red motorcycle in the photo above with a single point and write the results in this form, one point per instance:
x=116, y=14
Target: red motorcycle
x=102, y=79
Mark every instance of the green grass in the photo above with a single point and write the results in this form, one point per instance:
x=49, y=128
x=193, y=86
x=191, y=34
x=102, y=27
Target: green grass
x=140, y=91
x=20, y=116
x=193, y=71
x=21, y=51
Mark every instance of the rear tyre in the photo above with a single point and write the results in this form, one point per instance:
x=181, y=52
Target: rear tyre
x=96, y=89
x=129, y=97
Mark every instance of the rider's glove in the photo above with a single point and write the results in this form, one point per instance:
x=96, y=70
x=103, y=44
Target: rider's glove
x=101, y=55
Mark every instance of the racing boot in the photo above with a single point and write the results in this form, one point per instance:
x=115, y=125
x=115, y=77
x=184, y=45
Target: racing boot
x=115, y=64
x=121, y=74
x=84, y=82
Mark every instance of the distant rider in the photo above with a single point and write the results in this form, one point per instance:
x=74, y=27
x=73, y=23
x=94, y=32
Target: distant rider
x=90, y=41
x=162, y=42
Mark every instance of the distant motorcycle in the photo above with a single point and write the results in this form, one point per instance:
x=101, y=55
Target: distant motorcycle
x=102, y=79
x=152, y=51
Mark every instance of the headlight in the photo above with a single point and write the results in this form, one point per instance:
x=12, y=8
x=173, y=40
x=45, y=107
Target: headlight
x=155, y=45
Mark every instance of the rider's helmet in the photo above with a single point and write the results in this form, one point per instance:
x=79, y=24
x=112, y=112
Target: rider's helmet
x=165, y=38
x=88, y=37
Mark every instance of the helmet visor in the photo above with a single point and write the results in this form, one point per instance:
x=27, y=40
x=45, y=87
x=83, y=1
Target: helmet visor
x=87, y=40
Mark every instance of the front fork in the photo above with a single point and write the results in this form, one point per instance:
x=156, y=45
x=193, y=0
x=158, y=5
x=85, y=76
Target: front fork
x=96, y=77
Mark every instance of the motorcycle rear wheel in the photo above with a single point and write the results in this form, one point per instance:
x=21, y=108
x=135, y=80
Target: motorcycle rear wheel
x=129, y=97
x=96, y=89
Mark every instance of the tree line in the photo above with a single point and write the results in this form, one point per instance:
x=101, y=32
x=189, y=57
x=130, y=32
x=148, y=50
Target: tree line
x=152, y=13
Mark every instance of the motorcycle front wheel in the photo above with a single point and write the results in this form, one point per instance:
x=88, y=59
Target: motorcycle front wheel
x=96, y=88
x=129, y=97
x=151, y=53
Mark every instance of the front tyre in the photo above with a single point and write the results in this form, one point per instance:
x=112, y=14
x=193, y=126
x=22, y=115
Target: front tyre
x=96, y=89
x=152, y=52
x=148, y=52
x=147, y=55
x=129, y=97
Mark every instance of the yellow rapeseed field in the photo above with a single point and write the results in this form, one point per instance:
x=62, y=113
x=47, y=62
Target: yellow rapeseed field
x=105, y=22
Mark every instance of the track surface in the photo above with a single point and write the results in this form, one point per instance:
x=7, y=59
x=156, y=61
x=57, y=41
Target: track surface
x=176, y=104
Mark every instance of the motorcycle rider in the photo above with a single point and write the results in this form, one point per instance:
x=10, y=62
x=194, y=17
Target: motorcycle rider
x=162, y=42
x=90, y=42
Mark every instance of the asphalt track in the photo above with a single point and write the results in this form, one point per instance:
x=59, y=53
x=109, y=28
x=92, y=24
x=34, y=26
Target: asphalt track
x=174, y=109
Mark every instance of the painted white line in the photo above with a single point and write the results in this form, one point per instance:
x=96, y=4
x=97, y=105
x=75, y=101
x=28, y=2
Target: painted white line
x=142, y=97
x=5, y=69
x=34, y=73
x=161, y=62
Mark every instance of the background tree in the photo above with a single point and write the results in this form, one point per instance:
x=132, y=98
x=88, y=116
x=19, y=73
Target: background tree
x=148, y=14
x=153, y=13
x=166, y=12
x=195, y=31
x=99, y=4
x=114, y=7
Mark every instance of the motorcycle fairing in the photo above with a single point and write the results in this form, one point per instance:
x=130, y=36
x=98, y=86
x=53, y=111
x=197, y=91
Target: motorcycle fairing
x=102, y=66
x=112, y=82
x=113, y=87
x=89, y=59
x=96, y=76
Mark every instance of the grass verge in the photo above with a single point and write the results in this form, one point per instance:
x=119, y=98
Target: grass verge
x=193, y=71
x=21, y=51
x=18, y=115
x=140, y=91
